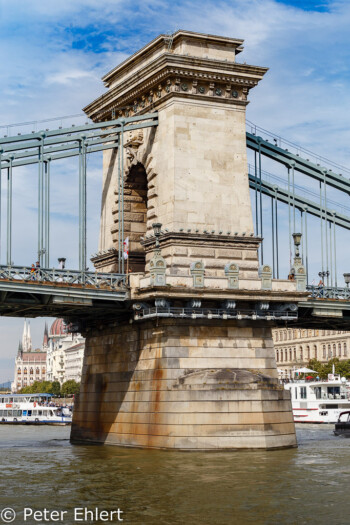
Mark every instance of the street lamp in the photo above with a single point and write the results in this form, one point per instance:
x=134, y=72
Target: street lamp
x=157, y=228
x=62, y=262
x=323, y=275
x=297, y=241
x=347, y=279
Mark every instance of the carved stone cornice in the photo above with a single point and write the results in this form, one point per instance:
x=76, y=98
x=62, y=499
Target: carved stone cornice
x=105, y=258
x=167, y=43
x=201, y=239
x=216, y=294
x=168, y=74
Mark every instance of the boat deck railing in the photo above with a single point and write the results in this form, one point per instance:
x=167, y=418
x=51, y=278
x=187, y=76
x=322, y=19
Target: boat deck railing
x=335, y=397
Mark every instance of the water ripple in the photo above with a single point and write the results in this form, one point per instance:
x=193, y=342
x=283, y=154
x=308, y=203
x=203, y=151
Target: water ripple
x=40, y=468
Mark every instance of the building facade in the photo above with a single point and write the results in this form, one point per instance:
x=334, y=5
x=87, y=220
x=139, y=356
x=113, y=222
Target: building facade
x=74, y=361
x=59, y=359
x=30, y=365
x=294, y=347
x=65, y=353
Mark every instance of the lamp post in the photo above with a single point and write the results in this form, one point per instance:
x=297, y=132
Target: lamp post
x=157, y=228
x=298, y=272
x=157, y=264
x=323, y=275
x=297, y=241
x=347, y=279
x=62, y=262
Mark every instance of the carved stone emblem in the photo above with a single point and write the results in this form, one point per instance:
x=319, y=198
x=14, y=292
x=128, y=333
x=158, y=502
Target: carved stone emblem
x=135, y=140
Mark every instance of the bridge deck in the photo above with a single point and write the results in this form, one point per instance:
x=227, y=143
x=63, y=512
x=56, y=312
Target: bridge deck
x=60, y=293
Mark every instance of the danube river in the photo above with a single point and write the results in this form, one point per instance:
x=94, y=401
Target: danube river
x=41, y=469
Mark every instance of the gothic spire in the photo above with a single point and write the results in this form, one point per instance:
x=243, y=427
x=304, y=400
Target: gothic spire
x=46, y=337
x=26, y=338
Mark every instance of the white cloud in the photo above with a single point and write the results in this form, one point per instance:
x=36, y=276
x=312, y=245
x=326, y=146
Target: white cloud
x=69, y=76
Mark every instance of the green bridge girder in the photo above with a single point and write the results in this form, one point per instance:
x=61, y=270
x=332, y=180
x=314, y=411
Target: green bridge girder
x=57, y=144
x=291, y=160
x=302, y=204
x=39, y=299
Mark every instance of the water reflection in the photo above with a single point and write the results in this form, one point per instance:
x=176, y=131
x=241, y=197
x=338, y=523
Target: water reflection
x=40, y=468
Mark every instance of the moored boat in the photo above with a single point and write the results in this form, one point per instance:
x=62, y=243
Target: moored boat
x=342, y=426
x=319, y=401
x=32, y=409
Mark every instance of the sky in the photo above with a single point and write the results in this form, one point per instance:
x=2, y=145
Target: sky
x=53, y=55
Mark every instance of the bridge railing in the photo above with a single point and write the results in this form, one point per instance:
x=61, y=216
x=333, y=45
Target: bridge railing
x=328, y=292
x=213, y=313
x=62, y=277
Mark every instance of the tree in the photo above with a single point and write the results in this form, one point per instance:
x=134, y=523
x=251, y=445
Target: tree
x=25, y=390
x=323, y=369
x=70, y=387
x=56, y=388
x=43, y=387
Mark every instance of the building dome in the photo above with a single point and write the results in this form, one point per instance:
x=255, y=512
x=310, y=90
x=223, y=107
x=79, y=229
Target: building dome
x=58, y=328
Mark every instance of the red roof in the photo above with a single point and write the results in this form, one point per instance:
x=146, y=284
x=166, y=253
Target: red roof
x=58, y=328
x=31, y=356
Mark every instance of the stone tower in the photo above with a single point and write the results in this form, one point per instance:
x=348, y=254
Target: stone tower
x=189, y=362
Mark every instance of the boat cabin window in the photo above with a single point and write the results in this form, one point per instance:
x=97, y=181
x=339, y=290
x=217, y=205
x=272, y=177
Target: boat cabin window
x=317, y=391
x=296, y=393
x=10, y=413
x=303, y=392
x=324, y=413
x=333, y=390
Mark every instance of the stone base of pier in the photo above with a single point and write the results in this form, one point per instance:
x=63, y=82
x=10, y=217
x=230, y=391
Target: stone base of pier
x=175, y=384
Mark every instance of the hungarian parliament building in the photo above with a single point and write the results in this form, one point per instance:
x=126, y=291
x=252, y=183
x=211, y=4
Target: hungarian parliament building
x=295, y=347
x=60, y=357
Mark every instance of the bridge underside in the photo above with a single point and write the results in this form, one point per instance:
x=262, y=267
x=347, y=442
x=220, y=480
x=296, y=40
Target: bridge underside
x=88, y=305
x=72, y=302
x=322, y=313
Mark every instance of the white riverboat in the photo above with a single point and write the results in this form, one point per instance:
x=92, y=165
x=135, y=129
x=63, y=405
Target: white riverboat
x=32, y=409
x=319, y=401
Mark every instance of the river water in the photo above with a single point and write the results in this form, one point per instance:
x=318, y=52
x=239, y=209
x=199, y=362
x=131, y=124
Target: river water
x=308, y=485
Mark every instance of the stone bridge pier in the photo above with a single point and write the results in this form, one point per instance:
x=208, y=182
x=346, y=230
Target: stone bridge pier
x=188, y=363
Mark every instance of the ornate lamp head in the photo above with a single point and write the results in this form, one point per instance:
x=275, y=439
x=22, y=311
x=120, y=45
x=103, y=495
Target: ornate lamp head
x=297, y=241
x=62, y=262
x=157, y=228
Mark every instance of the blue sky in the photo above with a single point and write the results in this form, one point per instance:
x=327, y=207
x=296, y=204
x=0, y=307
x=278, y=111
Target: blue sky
x=53, y=55
x=321, y=6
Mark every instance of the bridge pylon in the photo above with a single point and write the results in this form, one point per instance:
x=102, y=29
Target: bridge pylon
x=189, y=361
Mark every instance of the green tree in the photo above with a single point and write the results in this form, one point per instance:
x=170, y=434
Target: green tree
x=43, y=387
x=25, y=390
x=323, y=369
x=70, y=387
x=56, y=388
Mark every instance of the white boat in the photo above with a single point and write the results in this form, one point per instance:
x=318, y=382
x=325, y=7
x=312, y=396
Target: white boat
x=36, y=409
x=319, y=401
